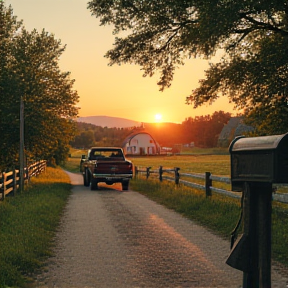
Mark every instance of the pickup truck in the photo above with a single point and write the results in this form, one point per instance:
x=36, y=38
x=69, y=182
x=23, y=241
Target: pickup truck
x=106, y=164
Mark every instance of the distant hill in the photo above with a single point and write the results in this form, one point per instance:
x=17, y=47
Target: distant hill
x=110, y=122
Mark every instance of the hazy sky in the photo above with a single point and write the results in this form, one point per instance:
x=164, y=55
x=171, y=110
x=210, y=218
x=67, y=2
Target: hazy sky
x=118, y=91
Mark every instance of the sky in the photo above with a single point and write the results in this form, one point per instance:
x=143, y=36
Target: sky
x=117, y=91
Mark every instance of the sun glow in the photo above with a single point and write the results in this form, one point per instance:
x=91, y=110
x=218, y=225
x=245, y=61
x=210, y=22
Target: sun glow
x=158, y=117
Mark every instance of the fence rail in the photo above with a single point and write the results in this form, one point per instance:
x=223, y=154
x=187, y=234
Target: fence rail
x=10, y=181
x=207, y=177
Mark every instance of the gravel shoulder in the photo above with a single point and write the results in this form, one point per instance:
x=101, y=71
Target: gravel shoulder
x=110, y=238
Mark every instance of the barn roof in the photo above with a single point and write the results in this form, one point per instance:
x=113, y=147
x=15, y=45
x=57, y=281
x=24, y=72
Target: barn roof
x=131, y=136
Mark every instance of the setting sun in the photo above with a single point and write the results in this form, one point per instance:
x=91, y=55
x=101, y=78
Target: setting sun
x=158, y=117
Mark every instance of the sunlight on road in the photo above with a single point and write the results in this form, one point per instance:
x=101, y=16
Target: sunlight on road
x=173, y=235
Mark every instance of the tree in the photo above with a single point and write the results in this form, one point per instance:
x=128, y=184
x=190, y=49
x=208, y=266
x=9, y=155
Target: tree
x=204, y=130
x=84, y=140
x=31, y=73
x=253, y=36
x=8, y=29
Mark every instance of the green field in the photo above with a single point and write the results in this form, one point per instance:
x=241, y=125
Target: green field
x=216, y=164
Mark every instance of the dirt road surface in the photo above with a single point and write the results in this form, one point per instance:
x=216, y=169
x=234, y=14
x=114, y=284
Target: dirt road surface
x=109, y=238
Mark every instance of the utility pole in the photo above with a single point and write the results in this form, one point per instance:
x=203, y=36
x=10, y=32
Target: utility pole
x=21, y=151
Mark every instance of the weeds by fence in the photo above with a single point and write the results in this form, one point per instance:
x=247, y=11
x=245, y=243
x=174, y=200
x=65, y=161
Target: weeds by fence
x=9, y=181
x=173, y=174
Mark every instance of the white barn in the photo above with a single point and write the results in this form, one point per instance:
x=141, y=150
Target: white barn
x=140, y=143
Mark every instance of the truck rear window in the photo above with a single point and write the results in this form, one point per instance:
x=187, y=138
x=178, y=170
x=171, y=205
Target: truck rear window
x=106, y=155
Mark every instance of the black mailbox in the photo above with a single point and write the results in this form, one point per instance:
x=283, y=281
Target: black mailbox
x=259, y=159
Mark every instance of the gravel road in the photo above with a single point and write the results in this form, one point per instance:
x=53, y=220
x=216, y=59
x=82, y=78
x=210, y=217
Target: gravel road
x=110, y=238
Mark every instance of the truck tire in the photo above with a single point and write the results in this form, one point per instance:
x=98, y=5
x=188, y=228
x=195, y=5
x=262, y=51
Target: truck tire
x=86, y=178
x=125, y=185
x=94, y=184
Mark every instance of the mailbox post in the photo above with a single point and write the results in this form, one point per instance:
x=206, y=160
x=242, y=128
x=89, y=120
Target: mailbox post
x=256, y=163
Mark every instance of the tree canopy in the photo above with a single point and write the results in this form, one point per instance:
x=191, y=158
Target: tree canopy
x=30, y=71
x=89, y=135
x=252, y=35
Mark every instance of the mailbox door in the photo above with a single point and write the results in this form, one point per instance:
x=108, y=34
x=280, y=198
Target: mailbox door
x=281, y=169
x=256, y=166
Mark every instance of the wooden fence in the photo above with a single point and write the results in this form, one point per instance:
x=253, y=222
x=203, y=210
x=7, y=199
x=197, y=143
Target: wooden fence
x=173, y=174
x=10, y=181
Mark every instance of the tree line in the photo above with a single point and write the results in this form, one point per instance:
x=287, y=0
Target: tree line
x=89, y=135
x=30, y=73
x=202, y=131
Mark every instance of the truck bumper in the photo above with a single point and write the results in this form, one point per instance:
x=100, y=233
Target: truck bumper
x=112, y=177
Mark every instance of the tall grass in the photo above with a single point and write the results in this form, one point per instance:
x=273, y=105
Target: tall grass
x=28, y=223
x=73, y=164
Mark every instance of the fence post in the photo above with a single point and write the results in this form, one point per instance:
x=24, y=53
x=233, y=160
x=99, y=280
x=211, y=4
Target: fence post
x=3, y=187
x=208, y=184
x=27, y=173
x=160, y=173
x=37, y=168
x=14, y=182
x=136, y=172
x=177, y=175
x=147, y=172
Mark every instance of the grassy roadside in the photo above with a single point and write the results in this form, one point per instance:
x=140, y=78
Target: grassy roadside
x=28, y=223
